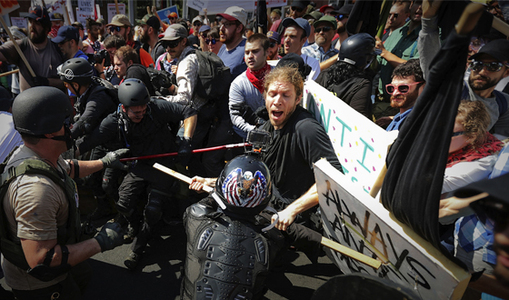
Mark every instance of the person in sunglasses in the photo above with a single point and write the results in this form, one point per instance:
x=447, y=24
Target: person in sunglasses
x=407, y=84
x=399, y=13
x=121, y=26
x=322, y=50
x=204, y=30
x=298, y=8
x=273, y=50
x=213, y=41
x=341, y=16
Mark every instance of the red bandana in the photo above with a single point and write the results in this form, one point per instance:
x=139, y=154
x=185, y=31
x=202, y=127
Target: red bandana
x=490, y=147
x=257, y=78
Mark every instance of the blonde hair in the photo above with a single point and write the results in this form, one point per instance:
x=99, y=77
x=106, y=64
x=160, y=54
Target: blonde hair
x=285, y=74
x=474, y=117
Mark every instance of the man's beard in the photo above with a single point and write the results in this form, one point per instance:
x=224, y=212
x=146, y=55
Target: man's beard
x=481, y=86
x=409, y=100
x=144, y=38
x=37, y=38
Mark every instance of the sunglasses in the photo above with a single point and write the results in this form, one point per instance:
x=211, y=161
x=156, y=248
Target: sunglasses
x=213, y=41
x=458, y=133
x=493, y=66
x=394, y=15
x=324, y=29
x=402, y=88
x=297, y=9
x=115, y=28
x=341, y=17
x=171, y=44
x=197, y=24
x=272, y=44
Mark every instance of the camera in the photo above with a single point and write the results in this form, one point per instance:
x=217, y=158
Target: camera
x=100, y=55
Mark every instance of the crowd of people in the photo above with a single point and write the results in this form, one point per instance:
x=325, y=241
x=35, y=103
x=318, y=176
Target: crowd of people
x=137, y=88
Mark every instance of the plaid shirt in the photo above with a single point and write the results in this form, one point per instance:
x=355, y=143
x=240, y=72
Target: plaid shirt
x=476, y=231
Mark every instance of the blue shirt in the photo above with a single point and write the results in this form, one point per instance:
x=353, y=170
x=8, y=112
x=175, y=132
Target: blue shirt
x=80, y=54
x=234, y=59
x=398, y=120
x=317, y=52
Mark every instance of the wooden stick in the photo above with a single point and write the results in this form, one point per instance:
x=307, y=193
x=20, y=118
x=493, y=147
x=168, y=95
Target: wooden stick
x=351, y=253
x=325, y=241
x=378, y=183
x=116, y=6
x=67, y=14
x=18, y=48
x=9, y=73
x=501, y=26
x=148, y=10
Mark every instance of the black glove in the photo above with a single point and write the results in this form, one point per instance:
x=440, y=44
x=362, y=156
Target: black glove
x=40, y=81
x=112, y=159
x=110, y=236
x=185, y=151
x=245, y=112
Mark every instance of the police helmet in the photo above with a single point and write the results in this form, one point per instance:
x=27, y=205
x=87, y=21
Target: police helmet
x=41, y=110
x=245, y=185
x=133, y=92
x=76, y=70
x=357, y=50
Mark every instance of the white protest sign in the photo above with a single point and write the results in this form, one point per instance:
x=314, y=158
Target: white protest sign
x=216, y=7
x=112, y=10
x=70, y=11
x=360, y=144
x=356, y=220
x=19, y=21
x=274, y=3
x=7, y=7
x=85, y=11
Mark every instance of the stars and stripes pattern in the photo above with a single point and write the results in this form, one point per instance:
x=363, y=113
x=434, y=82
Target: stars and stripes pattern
x=243, y=189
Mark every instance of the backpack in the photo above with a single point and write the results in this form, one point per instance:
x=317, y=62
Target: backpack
x=214, y=78
x=161, y=80
x=111, y=90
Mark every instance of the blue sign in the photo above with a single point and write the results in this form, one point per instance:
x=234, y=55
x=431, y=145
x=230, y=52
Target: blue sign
x=163, y=13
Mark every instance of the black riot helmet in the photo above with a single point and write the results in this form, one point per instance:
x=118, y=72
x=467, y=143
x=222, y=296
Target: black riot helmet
x=77, y=70
x=133, y=92
x=244, y=185
x=41, y=110
x=357, y=50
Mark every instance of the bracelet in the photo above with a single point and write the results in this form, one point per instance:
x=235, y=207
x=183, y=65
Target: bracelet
x=76, y=166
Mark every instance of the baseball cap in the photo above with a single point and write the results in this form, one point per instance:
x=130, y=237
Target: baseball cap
x=119, y=20
x=235, y=13
x=197, y=18
x=77, y=24
x=273, y=35
x=204, y=28
x=56, y=17
x=91, y=22
x=173, y=15
x=150, y=20
x=498, y=49
x=174, y=32
x=39, y=14
x=300, y=22
x=302, y=4
x=345, y=9
x=315, y=15
x=330, y=20
x=295, y=61
x=324, y=7
x=66, y=33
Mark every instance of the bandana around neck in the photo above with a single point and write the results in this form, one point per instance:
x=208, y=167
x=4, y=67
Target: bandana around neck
x=257, y=78
x=490, y=147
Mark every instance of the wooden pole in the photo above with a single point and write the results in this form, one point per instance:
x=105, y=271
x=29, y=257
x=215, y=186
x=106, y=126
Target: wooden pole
x=67, y=14
x=501, y=26
x=116, y=7
x=9, y=73
x=325, y=241
x=18, y=48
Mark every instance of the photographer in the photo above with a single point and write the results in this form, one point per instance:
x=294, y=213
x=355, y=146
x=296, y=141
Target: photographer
x=105, y=68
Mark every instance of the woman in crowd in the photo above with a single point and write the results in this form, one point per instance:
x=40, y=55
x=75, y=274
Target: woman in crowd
x=212, y=40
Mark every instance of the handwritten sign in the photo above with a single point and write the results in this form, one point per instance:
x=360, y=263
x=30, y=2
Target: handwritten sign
x=7, y=6
x=112, y=10
x=19, y=21
x=85, y=11
x=356, y=220
x=360, y=144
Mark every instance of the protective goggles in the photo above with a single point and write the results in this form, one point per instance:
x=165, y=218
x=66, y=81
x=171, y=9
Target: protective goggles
x=402, y=88
x=324, y=29
x=493, y=66
x=213, y=41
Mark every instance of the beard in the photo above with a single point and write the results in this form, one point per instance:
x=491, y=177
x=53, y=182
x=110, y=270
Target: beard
x=37, y=38
x=144, y=38
x=409, y=101
x=481, y=86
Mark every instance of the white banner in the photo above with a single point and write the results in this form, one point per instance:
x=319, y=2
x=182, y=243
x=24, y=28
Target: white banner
x=360, y=144
x=356, y=220
x=112, y=10
x=85, y=11
x=214, y=7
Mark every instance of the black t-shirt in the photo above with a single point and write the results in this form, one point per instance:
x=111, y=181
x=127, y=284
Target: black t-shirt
x=293, y=150
x=140, y=72
x=193, y=40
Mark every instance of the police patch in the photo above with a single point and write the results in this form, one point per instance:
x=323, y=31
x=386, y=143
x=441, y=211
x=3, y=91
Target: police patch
x=244, y=189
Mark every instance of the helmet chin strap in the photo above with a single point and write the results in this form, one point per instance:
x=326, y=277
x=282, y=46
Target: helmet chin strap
x=273, y=210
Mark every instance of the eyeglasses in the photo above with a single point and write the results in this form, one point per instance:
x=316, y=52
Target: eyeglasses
x=324, y=29
x=115, y=28
x=341, y=17
x=493, y=66
x=297, y=9
x=171, y=44
x=228, y=24
x=394, y=15
x=402, y=88
x=457, y=133
x=213, y=41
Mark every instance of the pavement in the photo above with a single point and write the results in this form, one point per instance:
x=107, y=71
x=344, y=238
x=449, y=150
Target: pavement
x=159, y=273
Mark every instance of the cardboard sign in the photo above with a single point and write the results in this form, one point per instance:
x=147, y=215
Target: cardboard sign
x=85, y=11
x=19, y=21
x=356, y=220
x=112, y=10
x=163, y=13
x=360, y=144
x=7, y=6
